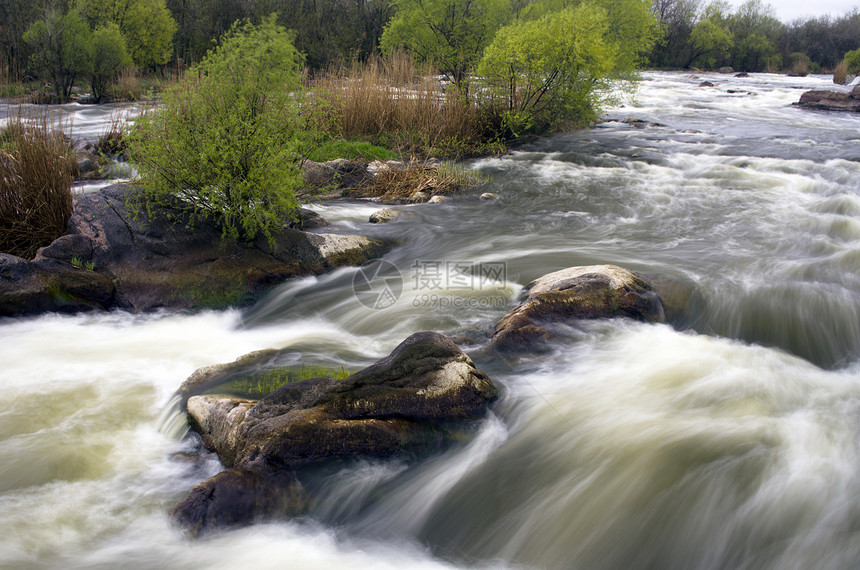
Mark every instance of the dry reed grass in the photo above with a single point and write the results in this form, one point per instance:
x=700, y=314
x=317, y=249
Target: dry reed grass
x=840, y=74
x=391, y=97
x=393, y=185
x=37, y=167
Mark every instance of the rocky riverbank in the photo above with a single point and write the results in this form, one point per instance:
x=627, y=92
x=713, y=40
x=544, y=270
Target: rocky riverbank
x=114, y=257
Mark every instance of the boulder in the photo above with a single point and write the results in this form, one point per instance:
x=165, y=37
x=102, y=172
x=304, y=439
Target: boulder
x=726, y=70
x=400, y=404
x=405, y=404
x=162, y=260
x=239, y=497
x=825, y=100
x=439, y=199
x=32, y=287
x=589, y=292
x=487, y=196
x=706, y=84
x=384, y=216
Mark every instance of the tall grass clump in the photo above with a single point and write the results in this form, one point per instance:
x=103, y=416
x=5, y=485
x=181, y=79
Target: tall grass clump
x=391, y=101
x=262, y=383
x=37, y=167
x=840, y=73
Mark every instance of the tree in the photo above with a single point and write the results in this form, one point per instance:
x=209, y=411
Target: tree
x=710, y=42
x=109, y=57
x=552, y=71
x=62, y=45
x=223, y=145
x=147, y=26
x=450, y=33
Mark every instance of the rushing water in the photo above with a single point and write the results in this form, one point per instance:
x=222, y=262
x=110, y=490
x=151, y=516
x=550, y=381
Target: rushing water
x=728, y=440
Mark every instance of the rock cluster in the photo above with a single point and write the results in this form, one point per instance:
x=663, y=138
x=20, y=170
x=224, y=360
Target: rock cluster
x=404, y=404
x=112, y=257
x=825, y=100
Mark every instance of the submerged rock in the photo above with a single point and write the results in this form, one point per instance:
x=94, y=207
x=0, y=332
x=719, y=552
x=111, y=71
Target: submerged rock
x=825, y=100
x=240, y=497
x=384, y=216
x=588, y=292
x=404, y=404
x=147, y=262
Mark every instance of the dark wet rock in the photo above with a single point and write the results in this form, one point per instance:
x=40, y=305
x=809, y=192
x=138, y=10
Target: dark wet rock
x=742, y=74
x=825, y=100
x=706, y=84
x=589, y=292
x=163, y=261
x=308, y=220
x=32, y=287
x=406, y=404
x=384, y=216
x=239, y=497
x=400, y=404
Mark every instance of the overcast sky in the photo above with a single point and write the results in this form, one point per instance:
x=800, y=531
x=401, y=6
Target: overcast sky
x=788, y=10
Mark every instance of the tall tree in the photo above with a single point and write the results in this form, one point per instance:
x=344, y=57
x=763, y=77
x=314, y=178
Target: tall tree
x=147, y=25
x=450, y=33
x=62, y=46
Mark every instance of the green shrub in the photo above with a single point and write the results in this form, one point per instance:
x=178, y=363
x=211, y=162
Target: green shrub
x=226, y=141
x=852, y=60
x=260, y=384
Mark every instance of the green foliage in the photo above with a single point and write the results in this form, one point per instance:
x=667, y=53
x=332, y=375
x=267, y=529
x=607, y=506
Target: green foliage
x=146, y=25
x=852, y=60
x=224, y=142
x=450, y=33
x=109, y=58
x=350, y=149
x=754, y=53
x=62, y=46
x=556, y=70
x=710, y=43
x=260, y=384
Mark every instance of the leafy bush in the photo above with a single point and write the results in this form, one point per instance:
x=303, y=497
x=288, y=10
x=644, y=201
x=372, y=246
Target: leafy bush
x=225, y=142
x=36, y=170
x=852, y=60
x=548, y=71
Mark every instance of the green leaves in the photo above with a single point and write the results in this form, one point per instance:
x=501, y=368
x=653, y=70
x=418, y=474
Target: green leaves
x=225, y=142
x=450, y=33
x=552, y=71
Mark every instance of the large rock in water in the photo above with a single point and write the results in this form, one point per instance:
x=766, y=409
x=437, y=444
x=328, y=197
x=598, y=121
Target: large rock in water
x=588, y=292
x=394, y=405
x=161, y=261
x=403, y=404
x=825, y=100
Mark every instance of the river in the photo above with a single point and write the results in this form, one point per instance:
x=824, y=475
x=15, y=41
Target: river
x=729, y=440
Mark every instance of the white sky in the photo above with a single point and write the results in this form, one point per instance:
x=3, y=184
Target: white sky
x=788, y=10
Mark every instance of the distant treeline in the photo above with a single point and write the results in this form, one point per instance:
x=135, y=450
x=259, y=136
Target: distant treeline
x=750, y=38
x=169, y=32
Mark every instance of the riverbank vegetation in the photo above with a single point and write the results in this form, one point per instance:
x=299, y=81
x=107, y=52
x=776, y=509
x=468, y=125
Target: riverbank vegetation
x=36, y=171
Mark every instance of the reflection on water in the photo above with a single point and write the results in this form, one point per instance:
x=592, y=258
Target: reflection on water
x=728, y=440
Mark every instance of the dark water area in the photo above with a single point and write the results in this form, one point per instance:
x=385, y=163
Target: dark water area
x=725, y=439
